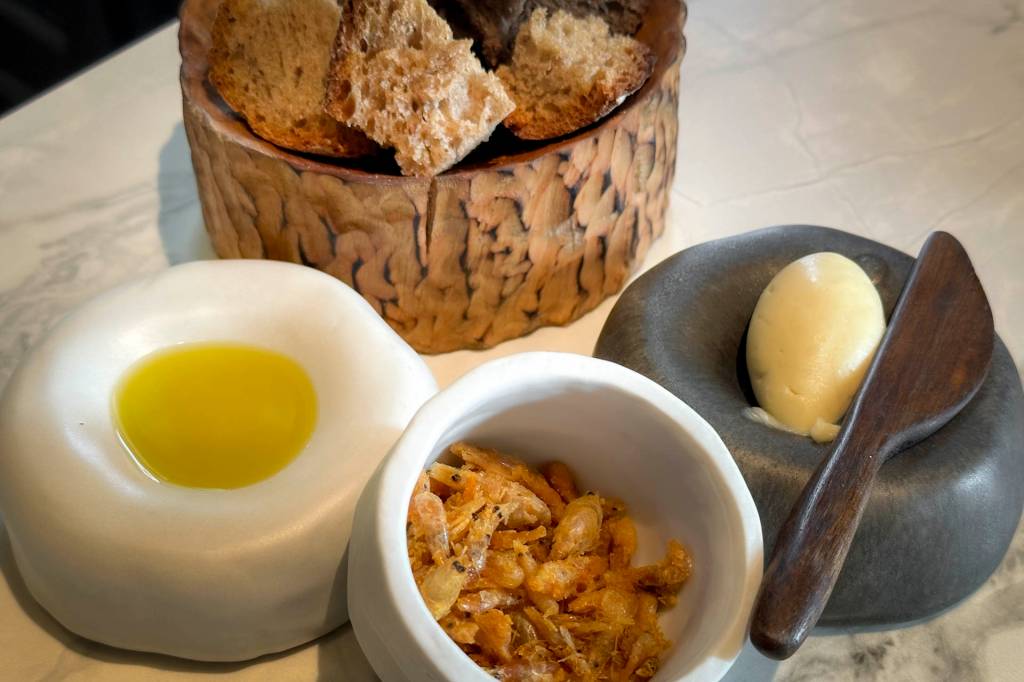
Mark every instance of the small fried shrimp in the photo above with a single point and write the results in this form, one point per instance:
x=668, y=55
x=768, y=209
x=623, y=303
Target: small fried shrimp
x=612, y=506
x=438, y=488
x=478, y=539
x=666, y=577
x=477, y=583
x=460, y=516
x=533, y=581
x=531, y=509
x=528, y=563
x=539, y=550
x=507, y=539
x=502, y=569
x=562, y=578
x=600, y=650
x=547, y=604
x=513, y=470
x=459, y=628
x=579, y=528
x=447, y=475
x=559, y=641
x=646, y=615
x=580, y=626
x=485, y=600
x=614, y=606
x=441, y=586
x=643, y=658
x=495, y=634
x=429, y=523
x=560, y=478
x=523, y=631
x=623, y=541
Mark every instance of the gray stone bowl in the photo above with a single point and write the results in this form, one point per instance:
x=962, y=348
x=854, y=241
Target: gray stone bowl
x=941, y=514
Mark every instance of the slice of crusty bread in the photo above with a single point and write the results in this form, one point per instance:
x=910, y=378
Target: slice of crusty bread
x=622, y=16
x=493, y=24
x=374, y=25
x=397, y=75
x=269, y=60
x=568, y=72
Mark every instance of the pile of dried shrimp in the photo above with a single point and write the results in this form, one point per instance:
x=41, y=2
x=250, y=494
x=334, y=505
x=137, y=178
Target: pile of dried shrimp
x=532, y=579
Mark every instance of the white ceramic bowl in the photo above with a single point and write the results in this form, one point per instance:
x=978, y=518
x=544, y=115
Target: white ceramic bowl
x=622, y=435
x=219, y=575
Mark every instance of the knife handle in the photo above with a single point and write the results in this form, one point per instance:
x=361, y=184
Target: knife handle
x=930, y=363
x=812, y=544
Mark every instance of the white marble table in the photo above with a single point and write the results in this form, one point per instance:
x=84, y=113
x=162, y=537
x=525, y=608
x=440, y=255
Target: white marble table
x=889, y=119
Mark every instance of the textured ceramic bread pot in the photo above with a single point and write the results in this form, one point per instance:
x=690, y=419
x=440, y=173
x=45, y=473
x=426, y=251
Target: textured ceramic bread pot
x=518, y=236
x=942, y=513
x=622, y=435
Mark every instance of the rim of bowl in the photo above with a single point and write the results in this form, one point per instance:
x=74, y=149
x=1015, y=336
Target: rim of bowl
x=132, y=475
x=524, y=369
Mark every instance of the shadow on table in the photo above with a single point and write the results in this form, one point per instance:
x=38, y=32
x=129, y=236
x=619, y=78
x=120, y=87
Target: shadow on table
x=338, y=656
x=751, y=666
x=180, y=222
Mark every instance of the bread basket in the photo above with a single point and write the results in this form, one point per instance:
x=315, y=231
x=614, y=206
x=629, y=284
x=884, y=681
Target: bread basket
x=517, y=236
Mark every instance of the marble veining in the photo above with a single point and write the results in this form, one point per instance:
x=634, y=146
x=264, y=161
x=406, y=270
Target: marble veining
x=888, y=119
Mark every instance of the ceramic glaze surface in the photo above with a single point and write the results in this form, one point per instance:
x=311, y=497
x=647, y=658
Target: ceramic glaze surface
x=941, y=514
x=232, y=574
x=623, y=436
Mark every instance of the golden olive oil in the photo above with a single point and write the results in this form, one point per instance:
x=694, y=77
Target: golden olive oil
x=215, y=415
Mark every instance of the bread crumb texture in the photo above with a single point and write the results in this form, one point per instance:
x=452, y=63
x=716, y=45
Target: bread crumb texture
x=277, y=88
x=622, y=16
x=568, y=72
x=493, y=24
x=398, y=75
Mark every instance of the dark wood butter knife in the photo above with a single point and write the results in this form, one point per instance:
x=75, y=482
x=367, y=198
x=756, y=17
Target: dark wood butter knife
x=930, y=363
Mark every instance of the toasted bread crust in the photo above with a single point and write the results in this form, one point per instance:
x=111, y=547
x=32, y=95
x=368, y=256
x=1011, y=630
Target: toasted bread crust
x=250, y=40
x=397, y=74
x=369, y=26
x=493, y=24
x=622, y=16
x=567, y=73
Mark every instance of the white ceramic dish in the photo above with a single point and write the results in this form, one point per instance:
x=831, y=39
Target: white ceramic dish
x=622, y=435
x=216, y=575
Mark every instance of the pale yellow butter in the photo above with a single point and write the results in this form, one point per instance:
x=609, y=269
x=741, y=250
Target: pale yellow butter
x=813, y=335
